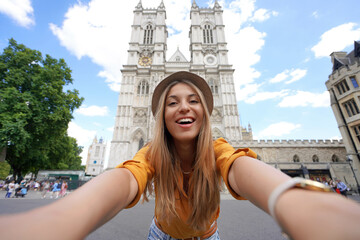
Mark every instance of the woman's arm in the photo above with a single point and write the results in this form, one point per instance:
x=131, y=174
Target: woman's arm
x=302, y=213
x=79, y=213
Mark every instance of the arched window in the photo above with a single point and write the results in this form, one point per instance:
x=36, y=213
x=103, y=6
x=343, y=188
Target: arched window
x=148, y=34
x=214, y=87
x=335, y=158
x=315, y=158
x=296, y=158
x=208, y=34
x=143, y=88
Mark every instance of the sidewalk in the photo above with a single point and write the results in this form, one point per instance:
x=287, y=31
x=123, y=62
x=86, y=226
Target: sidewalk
x=224, y=196
x=31, y=195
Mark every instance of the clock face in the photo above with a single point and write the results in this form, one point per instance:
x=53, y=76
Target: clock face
x=210, y=60
x=145, y=61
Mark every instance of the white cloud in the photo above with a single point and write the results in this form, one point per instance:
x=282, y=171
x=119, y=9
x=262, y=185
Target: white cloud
x=83, y=136
x=262, y=96
x=93, y=111
x=245, y=41
x=293, y=75
x=19, y=10
x=262, y=14
x=305, y=99
x=315, y=14
x=97, y=30
x=247, y=90
x=278, y=130
x=336, y=39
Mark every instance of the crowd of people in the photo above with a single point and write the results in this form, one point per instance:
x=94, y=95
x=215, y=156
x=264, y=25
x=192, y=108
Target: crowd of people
x=53, y=189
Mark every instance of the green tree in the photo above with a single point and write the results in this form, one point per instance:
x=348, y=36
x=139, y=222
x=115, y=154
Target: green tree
x=34, y=108
x=4, y=169
x=65, y=154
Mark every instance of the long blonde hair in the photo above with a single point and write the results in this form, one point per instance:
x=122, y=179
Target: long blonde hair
x=204, y=185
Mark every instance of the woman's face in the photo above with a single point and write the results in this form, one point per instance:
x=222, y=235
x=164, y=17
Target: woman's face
x=184, y=113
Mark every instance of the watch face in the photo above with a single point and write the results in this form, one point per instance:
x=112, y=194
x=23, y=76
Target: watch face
x=145, y=61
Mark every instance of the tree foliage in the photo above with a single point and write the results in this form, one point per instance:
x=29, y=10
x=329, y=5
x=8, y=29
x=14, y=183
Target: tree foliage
x=4, y=169
x=34, y=108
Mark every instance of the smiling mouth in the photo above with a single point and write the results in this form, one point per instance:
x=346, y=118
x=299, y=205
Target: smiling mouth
x=184, y=121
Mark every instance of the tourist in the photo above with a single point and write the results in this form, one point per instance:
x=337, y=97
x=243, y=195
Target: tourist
x=45, y=188
x=10, y=189
x=185, y=165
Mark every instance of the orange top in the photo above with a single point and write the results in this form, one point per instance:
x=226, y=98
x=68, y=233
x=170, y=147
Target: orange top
x=225, y=155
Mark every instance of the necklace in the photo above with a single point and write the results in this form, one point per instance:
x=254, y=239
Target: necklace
x=187, y=173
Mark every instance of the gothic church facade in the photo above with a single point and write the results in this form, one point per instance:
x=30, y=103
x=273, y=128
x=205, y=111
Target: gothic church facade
x=147, y=65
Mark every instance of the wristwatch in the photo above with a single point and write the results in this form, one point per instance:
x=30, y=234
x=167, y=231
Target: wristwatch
x=294, y=183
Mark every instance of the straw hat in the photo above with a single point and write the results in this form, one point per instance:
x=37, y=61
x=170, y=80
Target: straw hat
x=183, y=75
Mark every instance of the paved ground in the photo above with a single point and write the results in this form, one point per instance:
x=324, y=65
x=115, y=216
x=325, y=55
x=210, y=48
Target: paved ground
x=238, y=219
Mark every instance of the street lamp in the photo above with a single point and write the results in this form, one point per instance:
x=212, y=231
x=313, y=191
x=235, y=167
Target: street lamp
x=350, y=161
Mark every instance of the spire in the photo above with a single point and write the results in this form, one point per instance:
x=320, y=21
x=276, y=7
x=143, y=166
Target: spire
x=161, y=6
x=217, y=5
x=139, y=6
x=194, y=5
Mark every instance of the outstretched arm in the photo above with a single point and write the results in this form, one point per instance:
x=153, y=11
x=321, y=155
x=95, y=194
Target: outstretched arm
x=303, y=214
x=79, y=213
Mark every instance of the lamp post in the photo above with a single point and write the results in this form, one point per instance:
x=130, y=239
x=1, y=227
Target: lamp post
x=350, y=161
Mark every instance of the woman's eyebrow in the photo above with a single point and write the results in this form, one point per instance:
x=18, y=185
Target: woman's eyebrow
x=176, y=97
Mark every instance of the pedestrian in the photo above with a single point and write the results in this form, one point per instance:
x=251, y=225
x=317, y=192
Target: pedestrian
x=56, y=189
x=185, y=166
x=10, y=189
x=45, y=189
x=63, y=190
x=342, y=187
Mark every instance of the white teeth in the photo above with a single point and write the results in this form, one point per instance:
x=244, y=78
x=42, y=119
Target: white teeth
x=185, y=120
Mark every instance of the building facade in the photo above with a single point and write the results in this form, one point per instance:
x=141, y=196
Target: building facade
x=343, y=86
x=147, y=65
x=96, y=157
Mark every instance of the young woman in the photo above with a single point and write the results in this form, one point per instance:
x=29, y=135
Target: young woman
x=185, y=166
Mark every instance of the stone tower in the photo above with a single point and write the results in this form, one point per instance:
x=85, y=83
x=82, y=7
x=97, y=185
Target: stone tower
x=96, y=157
x=147, y=66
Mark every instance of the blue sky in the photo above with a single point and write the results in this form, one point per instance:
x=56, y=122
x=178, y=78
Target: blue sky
x=279, y=50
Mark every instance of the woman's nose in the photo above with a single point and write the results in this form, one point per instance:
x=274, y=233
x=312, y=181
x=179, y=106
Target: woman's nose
x=184, y=107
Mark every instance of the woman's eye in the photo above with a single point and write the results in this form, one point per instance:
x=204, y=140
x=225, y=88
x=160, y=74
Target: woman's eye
x=194, y=101
x=171, y=103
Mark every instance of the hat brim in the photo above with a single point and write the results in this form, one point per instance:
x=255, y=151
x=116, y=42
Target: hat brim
x=198, y=81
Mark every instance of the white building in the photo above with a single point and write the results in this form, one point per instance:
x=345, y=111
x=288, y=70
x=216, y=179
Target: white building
x=147, y=65
x=96, y=157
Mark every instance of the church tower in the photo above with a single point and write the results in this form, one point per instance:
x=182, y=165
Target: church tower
x=96, y=157
x=209, y=59
x=147, y=66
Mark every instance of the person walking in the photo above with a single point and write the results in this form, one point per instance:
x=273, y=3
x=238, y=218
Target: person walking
x=45, y=189
x=56, y=189
x=10, y=189
x=63, y=190
x=342, y=187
